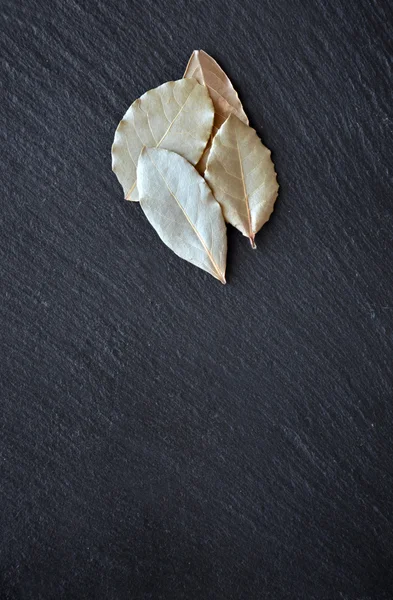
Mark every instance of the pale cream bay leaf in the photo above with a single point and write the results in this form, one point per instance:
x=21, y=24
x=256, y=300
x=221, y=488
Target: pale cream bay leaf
x=241, y=175
x=206, y=71
x=180, y=206
x=177, y=116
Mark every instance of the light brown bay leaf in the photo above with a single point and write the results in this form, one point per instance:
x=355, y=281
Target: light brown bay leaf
x=241, y=175
x=177, y=116
x=206, y=71
x=180, y=206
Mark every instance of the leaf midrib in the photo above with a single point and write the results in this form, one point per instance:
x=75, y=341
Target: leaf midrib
x=174, y=120
x=245, y=193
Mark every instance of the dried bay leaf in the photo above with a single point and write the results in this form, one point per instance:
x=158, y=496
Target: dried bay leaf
x=177, y=116
x=206, y=71
x=241, y=175
x=180, y=206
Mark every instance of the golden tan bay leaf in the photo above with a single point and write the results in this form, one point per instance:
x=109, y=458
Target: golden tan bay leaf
x=177, y=116
x=241, y=175
x=180, y=206
x=206, y=71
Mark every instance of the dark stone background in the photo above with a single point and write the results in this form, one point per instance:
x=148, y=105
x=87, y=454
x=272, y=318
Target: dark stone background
x=163, y=436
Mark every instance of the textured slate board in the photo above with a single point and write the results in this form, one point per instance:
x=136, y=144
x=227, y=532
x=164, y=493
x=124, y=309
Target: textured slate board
x=163, y=436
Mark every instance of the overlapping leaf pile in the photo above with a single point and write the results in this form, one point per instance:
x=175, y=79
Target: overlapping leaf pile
x=185, y=151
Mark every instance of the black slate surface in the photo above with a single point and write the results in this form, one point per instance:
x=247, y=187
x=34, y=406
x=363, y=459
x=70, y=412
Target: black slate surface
x=163, y=436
